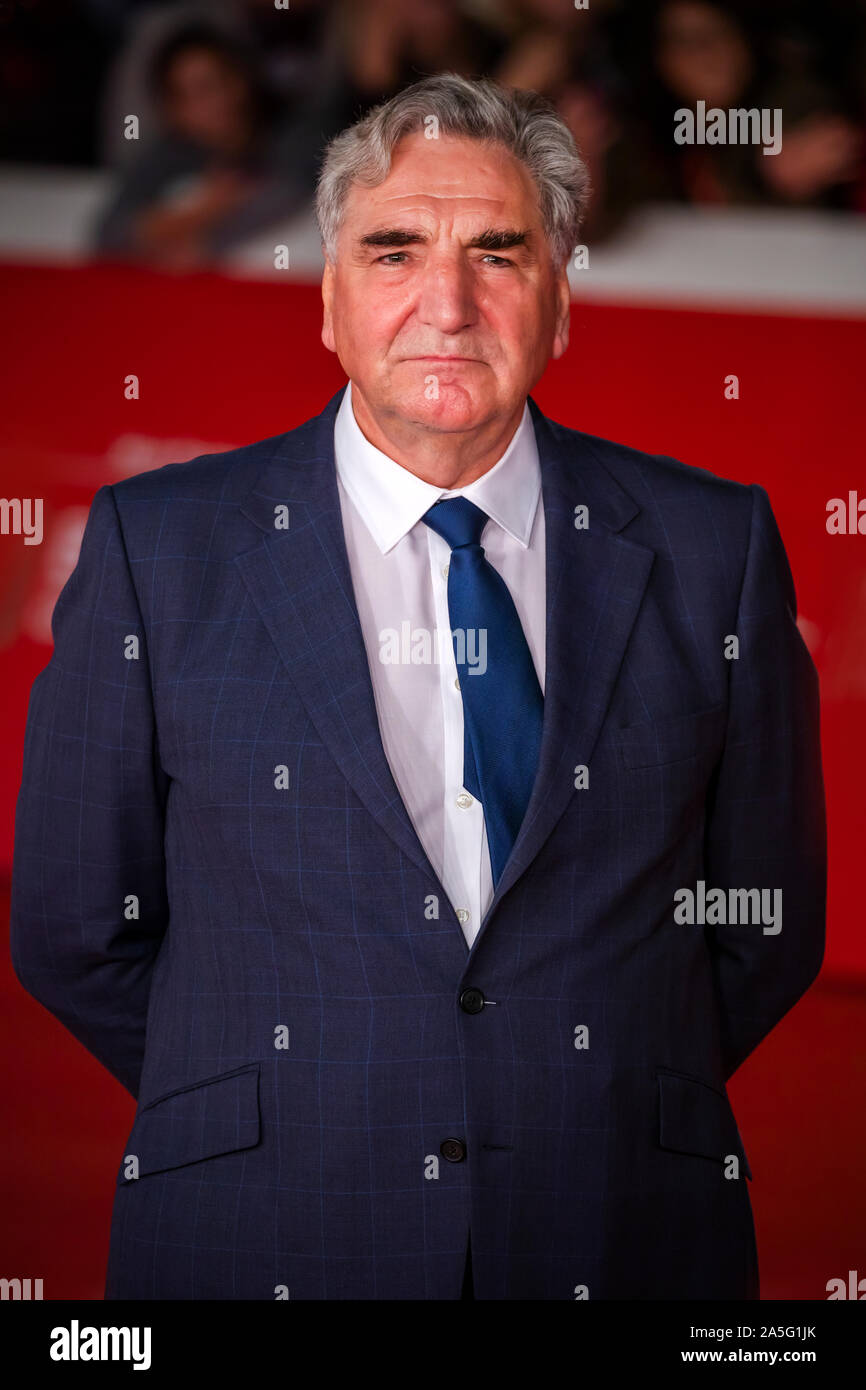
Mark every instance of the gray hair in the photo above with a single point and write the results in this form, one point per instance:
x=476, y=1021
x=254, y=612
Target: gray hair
x=526, y=123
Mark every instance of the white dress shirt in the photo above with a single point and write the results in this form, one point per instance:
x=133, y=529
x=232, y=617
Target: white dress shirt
x=399, y=568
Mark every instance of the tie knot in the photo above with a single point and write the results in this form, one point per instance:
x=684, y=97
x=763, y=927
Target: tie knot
x=457, y=520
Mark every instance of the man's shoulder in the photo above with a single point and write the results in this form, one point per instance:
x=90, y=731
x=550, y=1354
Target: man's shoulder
x=219, y=477
x=224, y=478
x=643, y=472
x=677, y=506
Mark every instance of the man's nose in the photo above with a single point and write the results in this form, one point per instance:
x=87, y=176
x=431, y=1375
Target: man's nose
x=447, y=297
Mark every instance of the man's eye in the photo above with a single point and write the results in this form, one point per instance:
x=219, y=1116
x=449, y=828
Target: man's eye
x=394, y=258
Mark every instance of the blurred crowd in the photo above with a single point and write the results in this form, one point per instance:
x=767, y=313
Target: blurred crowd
x=213, y=116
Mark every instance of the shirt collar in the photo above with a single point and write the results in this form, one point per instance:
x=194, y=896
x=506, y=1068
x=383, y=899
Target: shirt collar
x=391, y=500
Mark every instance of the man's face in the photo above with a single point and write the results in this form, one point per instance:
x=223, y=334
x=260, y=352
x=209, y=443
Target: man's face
x=410, y=287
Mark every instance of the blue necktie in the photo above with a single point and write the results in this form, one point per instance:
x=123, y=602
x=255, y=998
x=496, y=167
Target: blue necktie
x=502, y=704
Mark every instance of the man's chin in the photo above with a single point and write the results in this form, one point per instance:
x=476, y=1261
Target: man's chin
x=445, y=405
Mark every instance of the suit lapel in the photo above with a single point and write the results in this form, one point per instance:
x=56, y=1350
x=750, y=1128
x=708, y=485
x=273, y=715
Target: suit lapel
x=595, y=581
x=299, y=578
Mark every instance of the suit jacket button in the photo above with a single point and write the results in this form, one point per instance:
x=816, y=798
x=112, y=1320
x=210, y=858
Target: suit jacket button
x=453, y=1149
x=472, y=1001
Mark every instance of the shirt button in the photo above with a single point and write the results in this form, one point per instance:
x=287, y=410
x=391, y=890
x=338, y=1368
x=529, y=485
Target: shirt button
x=462, y=914
x=453, y=1149
x=464, y=801
x=472, y=1001
x=456, y=682
x=445, y=569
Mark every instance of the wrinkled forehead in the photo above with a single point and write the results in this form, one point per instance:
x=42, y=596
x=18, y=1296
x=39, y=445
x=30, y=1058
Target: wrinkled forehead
x=448, y=180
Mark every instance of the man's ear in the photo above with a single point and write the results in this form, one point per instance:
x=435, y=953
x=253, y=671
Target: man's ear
x=327, y=301
x=563, y=313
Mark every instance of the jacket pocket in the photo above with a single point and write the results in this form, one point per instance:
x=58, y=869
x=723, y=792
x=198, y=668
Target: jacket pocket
x=696, y=735
x=695, y=1118
x=217, y=1116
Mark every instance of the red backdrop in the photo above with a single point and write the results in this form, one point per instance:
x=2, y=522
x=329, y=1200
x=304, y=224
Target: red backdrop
x=224, y=361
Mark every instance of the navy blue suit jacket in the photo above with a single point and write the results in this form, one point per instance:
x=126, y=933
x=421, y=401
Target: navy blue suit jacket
x=219, y=891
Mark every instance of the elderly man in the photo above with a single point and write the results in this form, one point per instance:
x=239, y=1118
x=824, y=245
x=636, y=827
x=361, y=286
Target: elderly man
x=428, y=960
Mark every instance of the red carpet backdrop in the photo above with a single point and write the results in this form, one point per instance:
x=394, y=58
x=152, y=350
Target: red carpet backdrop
x=223, y=361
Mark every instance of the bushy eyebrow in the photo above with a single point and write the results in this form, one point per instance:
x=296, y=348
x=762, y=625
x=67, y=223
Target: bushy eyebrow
x=491, y=239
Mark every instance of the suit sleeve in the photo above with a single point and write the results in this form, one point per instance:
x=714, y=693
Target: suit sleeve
x=766, y=819
x=89, y=906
